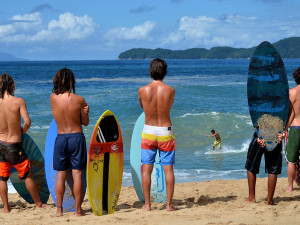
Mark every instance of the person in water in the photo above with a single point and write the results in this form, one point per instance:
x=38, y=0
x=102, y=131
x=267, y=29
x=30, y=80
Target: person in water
x=157, y=99
x=11, y=151
x=217, y=141
x=70, y=111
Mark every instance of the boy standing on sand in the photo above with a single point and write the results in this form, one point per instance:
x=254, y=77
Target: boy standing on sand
x=218, y=141
x=70, y=111
x=11, y=151
x=273, y=165
x=156, y=99
x=293, y=143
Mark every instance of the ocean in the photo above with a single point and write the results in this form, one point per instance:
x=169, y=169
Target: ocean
x=210, y=94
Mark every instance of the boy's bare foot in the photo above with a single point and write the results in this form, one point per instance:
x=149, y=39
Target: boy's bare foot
x=78, y=214
x=171, y=208
x=147, y=208
x=290, y=189
x=250, y=200
x=271, y=202
x=7, y=210
x=42, y=205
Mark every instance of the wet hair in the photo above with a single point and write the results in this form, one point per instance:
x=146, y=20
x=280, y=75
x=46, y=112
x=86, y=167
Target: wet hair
x=213, y=131
x=7, y=84
x=63, y=81
x=296, y=75
x=158, y=69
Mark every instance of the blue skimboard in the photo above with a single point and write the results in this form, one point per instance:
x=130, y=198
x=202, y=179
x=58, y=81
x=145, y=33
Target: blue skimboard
x=51, y=175
x=37, y=168
x=158, y=182
x=268, y=93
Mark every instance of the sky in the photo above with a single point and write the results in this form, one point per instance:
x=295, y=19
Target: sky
x=102, y=29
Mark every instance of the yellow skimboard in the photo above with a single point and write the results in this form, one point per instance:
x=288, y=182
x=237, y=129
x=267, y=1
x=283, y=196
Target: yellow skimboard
x=105, y=165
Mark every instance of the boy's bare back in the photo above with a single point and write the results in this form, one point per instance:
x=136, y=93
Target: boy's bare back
x=156, y=99
x=68, y=112
x=11, y=108
x=295, y=101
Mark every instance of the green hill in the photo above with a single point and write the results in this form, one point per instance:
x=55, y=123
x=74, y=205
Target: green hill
x=288, y=48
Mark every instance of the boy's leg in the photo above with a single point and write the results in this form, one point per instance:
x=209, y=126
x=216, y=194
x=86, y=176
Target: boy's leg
x=146, y=184
x=251, y=186
x=78, y=189
x=60, y=190
x=31, y=188
x=170, y=182
x=3, y=193
x=291, y=170
x=271, y=188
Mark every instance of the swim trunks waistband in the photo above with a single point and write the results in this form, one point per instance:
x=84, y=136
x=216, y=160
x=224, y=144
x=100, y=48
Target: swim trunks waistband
x=70, y=134
x=152, y=128
x=9, y=143
x=295, y=127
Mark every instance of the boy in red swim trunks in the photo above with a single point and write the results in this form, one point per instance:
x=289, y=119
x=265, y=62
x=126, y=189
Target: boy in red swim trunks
x=156, y=99
x=11, y=151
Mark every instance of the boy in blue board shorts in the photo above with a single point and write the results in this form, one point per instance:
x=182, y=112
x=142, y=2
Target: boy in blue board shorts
x=70, y=111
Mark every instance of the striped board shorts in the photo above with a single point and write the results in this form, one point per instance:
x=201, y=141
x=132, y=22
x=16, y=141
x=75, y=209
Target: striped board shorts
x=158, y=138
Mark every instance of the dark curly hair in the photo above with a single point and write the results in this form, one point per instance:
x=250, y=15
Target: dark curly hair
x=63, y=81
x=158, y=69
x=7, y=84
x=296, y=75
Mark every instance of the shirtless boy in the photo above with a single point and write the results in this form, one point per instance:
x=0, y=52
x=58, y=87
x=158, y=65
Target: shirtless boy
x=293, y=143
x=156, y=99
x=70, y=111
x=11, y=151
x=218, y=141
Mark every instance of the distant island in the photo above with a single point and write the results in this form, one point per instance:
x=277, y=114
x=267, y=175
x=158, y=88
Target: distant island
x=8, y=57
x=288, y=48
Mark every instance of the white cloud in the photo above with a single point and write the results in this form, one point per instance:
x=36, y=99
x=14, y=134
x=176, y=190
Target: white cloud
x=139, y=32
x=228, y=30
x=29, y=28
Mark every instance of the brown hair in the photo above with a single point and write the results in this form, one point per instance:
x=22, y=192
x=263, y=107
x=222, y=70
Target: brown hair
x=63, y=81
x=158, y=69
x=296, y=75
x=7, y=84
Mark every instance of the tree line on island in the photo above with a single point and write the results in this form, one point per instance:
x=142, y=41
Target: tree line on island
x=288, y=48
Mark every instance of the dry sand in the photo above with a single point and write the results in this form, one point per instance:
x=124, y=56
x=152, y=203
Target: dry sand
x=208, y=202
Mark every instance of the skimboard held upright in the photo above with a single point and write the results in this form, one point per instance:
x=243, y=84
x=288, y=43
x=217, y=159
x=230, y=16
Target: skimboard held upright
x=268, y=93
x=37, y=168
x=158, y=182
x=105, y=165
x=51, y=174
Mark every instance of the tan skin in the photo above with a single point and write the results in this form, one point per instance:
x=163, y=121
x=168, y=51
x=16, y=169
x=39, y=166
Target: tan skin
x=11, y=111
x=70, y=111
x=157, y=99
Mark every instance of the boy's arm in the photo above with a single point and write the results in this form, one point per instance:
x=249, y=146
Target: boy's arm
x=84, y=113
x=25, y=116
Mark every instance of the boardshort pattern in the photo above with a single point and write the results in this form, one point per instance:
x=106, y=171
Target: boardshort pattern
x=217, y=143
x=158, y=138
x=12, y=154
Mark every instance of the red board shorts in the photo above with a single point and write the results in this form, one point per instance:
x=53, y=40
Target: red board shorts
x=13, y=155
x=158, y=138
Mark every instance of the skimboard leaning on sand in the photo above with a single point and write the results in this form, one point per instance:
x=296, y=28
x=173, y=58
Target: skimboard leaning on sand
x=105, y=165
x=51, y=174
x=268, y=94
x=37, y=168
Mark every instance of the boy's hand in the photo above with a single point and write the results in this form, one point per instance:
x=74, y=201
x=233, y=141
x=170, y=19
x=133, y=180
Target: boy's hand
x=280, y=137
x=261, y=142
x=86, y=109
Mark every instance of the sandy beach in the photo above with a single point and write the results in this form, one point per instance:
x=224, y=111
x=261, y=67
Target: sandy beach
x=208, y=202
